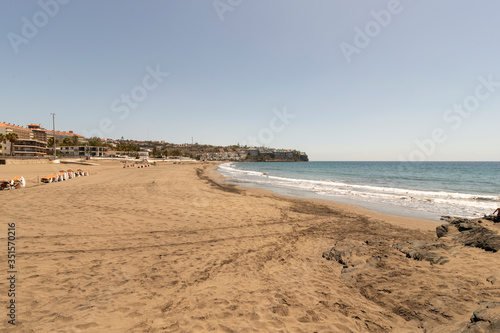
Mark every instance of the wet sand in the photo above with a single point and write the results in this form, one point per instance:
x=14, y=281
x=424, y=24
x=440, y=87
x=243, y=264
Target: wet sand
x=172, y=249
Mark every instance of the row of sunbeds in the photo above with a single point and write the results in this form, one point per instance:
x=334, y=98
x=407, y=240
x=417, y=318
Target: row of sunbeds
x=64, y=175
x=139, y=166
x=12, y=184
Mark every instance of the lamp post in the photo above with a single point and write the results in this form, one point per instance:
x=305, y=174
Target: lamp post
x=54, y=133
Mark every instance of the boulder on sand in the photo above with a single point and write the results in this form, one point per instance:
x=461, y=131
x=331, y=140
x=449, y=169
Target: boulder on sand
x=470, y=232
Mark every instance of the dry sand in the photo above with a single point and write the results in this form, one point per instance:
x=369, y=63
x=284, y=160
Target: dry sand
x=169, y=249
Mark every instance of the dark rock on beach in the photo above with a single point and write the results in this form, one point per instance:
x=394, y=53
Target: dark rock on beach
x=485, y=320
x=354, y=256
x=442, y=230
x=422, y=250
x=493, y=218
x=470, y=232
x=347, y=253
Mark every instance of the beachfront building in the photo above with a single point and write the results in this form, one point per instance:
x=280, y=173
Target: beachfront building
x=30, y=148
x=224, y=156
x=113, y=153
x=31, y=141
x=269, y=154
x=61, y=135
x=39, y=133
x=97, y=151
x=254, y=152
x=283, y=154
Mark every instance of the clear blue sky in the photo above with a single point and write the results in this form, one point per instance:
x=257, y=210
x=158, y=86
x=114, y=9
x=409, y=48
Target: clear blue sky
x=231, y=64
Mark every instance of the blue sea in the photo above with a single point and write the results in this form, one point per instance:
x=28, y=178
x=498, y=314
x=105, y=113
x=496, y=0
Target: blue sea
x=415, y=189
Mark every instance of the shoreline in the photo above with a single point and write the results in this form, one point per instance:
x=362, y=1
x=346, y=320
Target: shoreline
x=173, y=248
x=403, y=221
x=371, y=186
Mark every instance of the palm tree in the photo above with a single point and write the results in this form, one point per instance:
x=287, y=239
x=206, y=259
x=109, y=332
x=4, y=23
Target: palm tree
x=67, y=142
x=95, y=141
x=75, y=140
x=2, y=140
x=50, y=142
x=12, y=137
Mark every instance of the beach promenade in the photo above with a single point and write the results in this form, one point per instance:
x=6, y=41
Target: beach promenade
x=171, y=249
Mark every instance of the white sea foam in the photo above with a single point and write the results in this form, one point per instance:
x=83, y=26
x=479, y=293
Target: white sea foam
x=439, y=202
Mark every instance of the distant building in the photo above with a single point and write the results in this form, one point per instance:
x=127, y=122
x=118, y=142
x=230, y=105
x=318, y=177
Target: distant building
x=143, y=154
x=97, y=151
x=283, y=154
x=269, y=153
x=60, y=135
x=39, y=133
x=113, y=153
x=31, y=142
x=225, y=156
x=254, y=152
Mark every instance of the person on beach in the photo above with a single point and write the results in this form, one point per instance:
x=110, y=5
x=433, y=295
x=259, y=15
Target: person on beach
x=496, y=218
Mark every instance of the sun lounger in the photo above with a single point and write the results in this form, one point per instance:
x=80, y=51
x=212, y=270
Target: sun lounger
x=50, y=179
x=5, y=185
x=18, y=182
x=63, y=175
x=15, y=183
x=83, y=173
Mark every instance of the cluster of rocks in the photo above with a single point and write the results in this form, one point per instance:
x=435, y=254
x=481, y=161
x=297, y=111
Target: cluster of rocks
x=486, y=319
x=470, y=232
x=353, y=255
x=424, y=251
x=361, y=258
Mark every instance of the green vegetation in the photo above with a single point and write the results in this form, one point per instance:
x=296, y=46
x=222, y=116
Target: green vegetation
x=12, y=137
x=67, y=142
x=127, y=147
x=174, y=152
x=50, y=142
x=95, y=141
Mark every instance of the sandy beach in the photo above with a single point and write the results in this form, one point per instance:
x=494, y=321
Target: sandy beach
x=171, y=248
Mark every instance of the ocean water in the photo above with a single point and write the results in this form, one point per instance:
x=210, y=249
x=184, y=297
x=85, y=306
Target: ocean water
x=416, y=189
